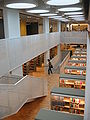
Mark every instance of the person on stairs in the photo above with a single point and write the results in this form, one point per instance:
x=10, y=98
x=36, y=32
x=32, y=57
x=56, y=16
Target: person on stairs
x=50, y=66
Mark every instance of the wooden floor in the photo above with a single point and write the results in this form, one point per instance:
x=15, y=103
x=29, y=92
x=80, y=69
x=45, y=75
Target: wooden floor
x=30, y=110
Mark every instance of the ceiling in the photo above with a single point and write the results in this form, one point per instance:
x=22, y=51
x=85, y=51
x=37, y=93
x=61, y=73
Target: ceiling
x=41, y=4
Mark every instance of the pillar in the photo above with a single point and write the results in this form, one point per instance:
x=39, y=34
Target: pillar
x=59, y=52
x=11, y=23
x=89, y=27
x=59, y=26
x=47, y=53
x=45, y=25
x=12, y=30
x=46, y=57
x=58, y=47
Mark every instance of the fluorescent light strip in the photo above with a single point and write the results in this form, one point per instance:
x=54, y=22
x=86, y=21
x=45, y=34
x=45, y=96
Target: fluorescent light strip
x=62, y=2
x=70, y=9
x=60, y=18
x=38, y=11
x=76, y=16
x=55, y=17
x=48, y=14
x=20, y=5
x=74, y=13
x=80, y=19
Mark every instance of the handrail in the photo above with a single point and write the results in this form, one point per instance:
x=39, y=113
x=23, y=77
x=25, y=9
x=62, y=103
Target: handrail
x=14, y=96
x=64, y=62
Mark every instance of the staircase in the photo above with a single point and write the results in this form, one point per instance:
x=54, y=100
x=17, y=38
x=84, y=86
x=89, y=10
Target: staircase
x=15, y=92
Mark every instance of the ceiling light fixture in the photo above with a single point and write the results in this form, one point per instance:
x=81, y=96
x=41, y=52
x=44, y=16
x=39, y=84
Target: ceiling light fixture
x=60, y=19
x=66, y=20
x=76, y=16
x=73, y=13
x=79, y=18
x=48, y=14
x=70, y=9
x=62, y=2
x=38, y=11
x=55, y=17
x=20, y=5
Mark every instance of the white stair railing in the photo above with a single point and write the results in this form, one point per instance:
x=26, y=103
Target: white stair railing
x=16, y=92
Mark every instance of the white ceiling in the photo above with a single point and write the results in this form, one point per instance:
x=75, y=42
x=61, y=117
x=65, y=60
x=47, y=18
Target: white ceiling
x=42, y=4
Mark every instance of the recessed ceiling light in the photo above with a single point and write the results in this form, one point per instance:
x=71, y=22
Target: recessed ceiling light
x=48, y=14
x=76, y=16
x=59, y=19
x=79, y=19
x=70, y=9
x=55, y=17
x=20, y=5
x=73, y=13
x=62, y=2
x=66, y=20
x=38, y=11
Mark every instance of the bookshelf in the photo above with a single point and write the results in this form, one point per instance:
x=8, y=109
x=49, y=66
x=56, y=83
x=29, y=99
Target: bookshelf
x=77, y=63
x=78, y=57
x=68, y=100
x=45, y=114
x=75, y=70
x=72, y=81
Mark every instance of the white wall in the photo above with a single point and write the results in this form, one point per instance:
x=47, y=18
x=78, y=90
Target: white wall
x=74, y=37
x=18, y=71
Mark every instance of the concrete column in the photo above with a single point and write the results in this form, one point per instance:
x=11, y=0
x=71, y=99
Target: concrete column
x=58, y=47
x=45, y=25
x=11, y=23
x=46, y=57
x=87, y=90
x=47, y=53
x=59, y=52
x=59, y=26
x=12, y=30
x=89, y=27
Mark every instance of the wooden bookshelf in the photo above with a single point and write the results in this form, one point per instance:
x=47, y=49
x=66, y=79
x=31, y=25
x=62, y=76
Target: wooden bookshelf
x=72, y=81
x=78, y=57
x=75, y=70
x=68, y=101
x=45, y=114
x=77, y=63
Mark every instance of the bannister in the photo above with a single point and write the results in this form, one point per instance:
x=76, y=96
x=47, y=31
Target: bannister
x=74, y=37
x=15, y=52
x=64, y=62
x=16, y=91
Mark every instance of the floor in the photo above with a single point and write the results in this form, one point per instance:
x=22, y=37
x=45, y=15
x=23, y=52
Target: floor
x=30, y=110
